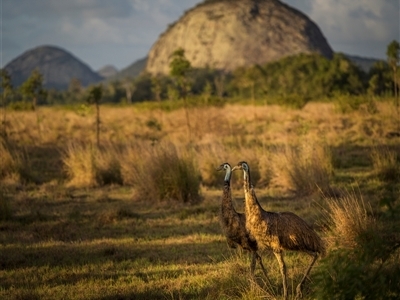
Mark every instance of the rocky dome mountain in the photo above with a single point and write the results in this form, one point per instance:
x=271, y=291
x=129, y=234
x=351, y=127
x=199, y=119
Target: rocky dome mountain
x=226, y=34
x=56, y=65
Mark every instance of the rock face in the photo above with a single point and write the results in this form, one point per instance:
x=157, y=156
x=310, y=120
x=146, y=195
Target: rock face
x=226, y=34
x=56, y=65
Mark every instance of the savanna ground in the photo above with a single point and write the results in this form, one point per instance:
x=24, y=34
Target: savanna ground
x=79, y=221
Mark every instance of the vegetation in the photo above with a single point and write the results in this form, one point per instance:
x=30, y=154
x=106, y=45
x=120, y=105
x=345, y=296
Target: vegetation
x=136, y=216
x=94, y=97
x=291, y=81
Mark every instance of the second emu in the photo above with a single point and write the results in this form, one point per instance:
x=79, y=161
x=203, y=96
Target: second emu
x=233, y=223
x=279, y=231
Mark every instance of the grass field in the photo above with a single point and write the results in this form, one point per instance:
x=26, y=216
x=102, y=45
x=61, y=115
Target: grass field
x=81, y=222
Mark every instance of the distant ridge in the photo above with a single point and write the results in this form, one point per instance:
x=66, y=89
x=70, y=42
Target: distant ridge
x=365, y=63
x=107, y=71
x=56, y=65
x=132, y=71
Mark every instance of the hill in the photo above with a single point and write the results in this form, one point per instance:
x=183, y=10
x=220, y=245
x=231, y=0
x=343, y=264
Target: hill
x=107, y=71
x=225, y=35
x=56, y=65
x=365, y=63
x=132, y=71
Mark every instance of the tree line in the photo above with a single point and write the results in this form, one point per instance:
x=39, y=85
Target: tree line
x=297, y=78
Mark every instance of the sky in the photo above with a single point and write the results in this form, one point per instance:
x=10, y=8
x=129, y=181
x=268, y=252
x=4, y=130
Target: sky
x=119, y=32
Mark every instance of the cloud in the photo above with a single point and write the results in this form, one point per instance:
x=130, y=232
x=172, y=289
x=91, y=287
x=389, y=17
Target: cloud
x=118, y=32
x=78, y=25
x=358, y=26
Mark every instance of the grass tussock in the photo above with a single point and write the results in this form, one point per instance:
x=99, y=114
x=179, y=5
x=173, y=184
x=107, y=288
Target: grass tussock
x=385, y=163
x=15, y=167
x=159, y=172
x=306, y=168
x=349, y=218
x=88, y=166
x=362, y=263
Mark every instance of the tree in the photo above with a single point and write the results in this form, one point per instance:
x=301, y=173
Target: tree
x=6, y=90
x=392, y=53
x=32, y=89
x=94, y=97
x=130, y=87
x=156, y=87
x=179, y=68
x=74, y=90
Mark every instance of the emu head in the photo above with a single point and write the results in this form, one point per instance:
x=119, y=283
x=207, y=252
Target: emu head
x=224, y=166
x=245, y=167
x=227, y=168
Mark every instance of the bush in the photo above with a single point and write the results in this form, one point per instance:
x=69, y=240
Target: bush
x=160, y=173
x=346, y=104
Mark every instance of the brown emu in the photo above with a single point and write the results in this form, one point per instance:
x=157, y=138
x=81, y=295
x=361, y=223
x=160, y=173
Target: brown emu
x=233, y=223
x=278, y=231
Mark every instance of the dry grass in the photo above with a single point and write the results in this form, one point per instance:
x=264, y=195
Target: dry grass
x=161, y=172
x=58, y=240
x=87, y=166
x=305, y=167
x=385, y=163
x=349, y=218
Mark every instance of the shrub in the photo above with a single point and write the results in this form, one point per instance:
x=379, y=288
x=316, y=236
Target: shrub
x=305, y=167
x=346, y=104
x=160, y=173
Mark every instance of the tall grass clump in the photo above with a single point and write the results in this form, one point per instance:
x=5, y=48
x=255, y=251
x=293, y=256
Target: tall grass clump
x=10, y=163
x=363, y=260
x=385, y=163
x=5, y=207
x=306, y=168
x=159, y=172
x=349, y=218
x=87, y=165
x=14, y=167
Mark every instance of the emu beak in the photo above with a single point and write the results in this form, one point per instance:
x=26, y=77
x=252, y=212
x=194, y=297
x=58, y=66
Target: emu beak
x=221, y=167
x=235, y=168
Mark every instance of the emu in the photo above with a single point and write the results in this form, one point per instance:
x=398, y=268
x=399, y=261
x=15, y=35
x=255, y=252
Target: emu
x=278, y=231
x=233, y=223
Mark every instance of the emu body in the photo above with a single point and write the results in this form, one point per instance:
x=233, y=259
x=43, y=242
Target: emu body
x=233, y=224
x=278, y=231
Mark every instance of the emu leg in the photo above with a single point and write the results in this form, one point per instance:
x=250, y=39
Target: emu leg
x=282, y=266
x=298, y=288
x=259, y=259
x=253, y=263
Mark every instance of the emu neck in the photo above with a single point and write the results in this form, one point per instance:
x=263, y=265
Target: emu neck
x=251, y=202
x=226, y=198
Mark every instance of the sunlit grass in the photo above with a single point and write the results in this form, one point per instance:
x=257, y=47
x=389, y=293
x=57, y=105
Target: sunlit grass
x=86, y=228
